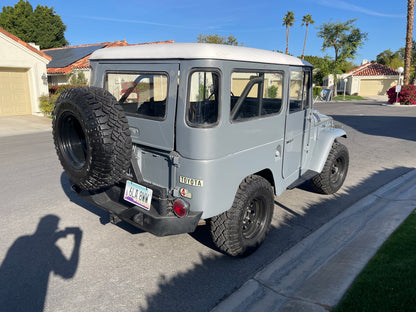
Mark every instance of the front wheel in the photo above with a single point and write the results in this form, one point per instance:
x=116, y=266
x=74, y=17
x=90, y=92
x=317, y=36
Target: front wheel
x=330, y=180
x=241, y=230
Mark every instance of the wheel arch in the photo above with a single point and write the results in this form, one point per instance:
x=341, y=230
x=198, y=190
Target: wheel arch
x=323, y=146
x=268, y=175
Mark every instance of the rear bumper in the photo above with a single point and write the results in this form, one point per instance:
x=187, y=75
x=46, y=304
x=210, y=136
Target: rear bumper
x=156, y=221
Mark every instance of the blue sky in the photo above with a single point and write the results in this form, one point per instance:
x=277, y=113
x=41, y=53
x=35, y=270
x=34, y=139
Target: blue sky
x=256, y=24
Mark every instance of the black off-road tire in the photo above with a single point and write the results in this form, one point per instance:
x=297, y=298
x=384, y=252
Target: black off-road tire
x=241, y=230
x=330, y=180
x=92, y=137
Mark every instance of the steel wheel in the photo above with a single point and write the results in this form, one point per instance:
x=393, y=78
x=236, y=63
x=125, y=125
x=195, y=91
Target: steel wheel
x=73, y=141
x=254, y=218
x=241, y=230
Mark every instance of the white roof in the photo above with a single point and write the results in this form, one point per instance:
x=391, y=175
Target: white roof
x=196, y=51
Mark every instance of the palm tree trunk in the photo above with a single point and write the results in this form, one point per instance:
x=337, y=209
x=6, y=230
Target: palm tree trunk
x=409, y=39
x=287, y=39
x=304, y=44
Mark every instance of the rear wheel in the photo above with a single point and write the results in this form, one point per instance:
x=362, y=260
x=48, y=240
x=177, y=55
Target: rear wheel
x=335, y=170
x=241, y=230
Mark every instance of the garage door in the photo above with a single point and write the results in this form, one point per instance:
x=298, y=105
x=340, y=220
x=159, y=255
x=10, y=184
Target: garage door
x=14, y=92
x=369, y=87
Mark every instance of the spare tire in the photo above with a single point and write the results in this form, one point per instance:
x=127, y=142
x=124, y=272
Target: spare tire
x=92, y=137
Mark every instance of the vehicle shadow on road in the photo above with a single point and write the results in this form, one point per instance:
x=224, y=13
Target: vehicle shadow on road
x=104, y=216
x=24, y=272
x=216, y=276
x=388, y=126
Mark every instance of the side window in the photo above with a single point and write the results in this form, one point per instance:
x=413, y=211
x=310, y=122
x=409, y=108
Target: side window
x=140, y=94
x=272, y=95
x=299, y=91
x=255, y=94
x=203, y=98
x=306, y=90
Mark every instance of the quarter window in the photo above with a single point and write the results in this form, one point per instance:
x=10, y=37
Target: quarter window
x=140, y=94
x=203, y=98
x=255, y=94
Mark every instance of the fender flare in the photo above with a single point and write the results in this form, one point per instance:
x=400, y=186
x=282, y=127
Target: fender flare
x=325, y=140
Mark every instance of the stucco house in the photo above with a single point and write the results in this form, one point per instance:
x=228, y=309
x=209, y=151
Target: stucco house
x=369, y=79
x=22, y=76
x=72, y=60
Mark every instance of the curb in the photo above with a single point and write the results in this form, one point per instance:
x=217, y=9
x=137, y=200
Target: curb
x=315, y=273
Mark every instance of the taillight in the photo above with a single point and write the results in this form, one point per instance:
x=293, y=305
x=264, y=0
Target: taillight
x=180, y=208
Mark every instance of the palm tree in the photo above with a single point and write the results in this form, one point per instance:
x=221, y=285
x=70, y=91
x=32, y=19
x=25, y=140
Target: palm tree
x=306, y=20
x=409, y=40
x=288, y=21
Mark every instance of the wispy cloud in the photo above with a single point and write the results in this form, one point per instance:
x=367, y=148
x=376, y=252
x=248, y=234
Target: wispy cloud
x=119, y=20
x=347, y=6
x=143, y=22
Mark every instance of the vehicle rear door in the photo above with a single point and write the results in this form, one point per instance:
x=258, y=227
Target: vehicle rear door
x=147, y=93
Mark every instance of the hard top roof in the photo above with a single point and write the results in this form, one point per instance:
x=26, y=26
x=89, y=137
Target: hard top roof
x=197, y=51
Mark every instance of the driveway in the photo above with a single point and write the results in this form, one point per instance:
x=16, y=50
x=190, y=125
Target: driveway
x=119, y=268
x=25, y=124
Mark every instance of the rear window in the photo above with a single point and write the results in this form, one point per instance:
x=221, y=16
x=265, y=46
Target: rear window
x=140, y=94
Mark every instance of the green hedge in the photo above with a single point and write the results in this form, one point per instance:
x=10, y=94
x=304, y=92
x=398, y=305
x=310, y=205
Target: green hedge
x=47, y=102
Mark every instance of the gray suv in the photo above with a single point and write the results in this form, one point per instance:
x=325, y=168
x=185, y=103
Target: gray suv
x=170, y=136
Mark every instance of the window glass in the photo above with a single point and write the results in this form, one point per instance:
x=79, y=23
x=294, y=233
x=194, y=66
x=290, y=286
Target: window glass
x=296, y=91
x=306, y=90
x=272, y=94
x=203, y=98
x=143, y=94
x=255, y=94
x=299, y=91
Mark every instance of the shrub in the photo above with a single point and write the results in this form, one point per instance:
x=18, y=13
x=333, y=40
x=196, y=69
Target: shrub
x=272, y=92
x=47, y=104
x=391, y=93
x=407, y=95
x=58, y=89
x=78, y=79
x=316, y=91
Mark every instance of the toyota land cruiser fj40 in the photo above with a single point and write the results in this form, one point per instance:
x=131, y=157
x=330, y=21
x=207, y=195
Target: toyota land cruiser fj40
x=168, y=135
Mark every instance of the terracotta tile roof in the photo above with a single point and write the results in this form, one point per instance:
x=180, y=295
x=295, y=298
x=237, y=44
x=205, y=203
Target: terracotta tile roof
x=25, y=44
x=373, y=69
x=84, y=62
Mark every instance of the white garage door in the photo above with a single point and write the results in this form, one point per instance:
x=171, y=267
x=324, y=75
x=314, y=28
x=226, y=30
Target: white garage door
x=371, y=87
x=14, y=92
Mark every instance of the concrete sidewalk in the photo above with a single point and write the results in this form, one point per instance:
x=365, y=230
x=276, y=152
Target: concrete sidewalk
x=314, y=274
x=17, y=125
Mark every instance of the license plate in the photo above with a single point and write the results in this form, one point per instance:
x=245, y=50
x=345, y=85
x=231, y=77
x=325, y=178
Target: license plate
x=138, y=195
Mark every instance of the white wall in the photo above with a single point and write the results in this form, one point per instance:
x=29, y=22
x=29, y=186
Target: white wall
x=13, y=54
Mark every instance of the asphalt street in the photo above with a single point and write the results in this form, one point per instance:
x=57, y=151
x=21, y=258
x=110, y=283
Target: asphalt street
x=119, y=268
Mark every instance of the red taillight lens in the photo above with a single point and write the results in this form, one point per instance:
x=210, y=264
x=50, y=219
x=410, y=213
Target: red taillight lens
x=180, y=208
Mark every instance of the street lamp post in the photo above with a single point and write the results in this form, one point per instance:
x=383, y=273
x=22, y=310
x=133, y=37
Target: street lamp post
x=399, y=84
x=345, y=86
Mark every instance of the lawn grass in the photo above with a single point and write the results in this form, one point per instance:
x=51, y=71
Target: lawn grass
x=388, y=282
x=348, y=98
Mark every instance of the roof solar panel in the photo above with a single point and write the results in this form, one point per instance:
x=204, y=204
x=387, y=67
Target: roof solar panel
x=65, y=57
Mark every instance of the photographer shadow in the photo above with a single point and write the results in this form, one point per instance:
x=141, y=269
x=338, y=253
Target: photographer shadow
x=24, y=273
